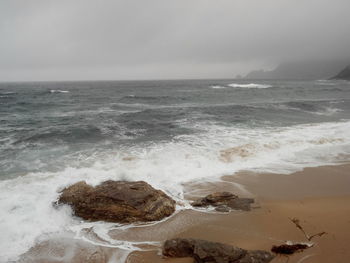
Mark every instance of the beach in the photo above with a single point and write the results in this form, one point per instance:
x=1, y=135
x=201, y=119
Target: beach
x=317, y=196
x=136, y=131
x=188, y=139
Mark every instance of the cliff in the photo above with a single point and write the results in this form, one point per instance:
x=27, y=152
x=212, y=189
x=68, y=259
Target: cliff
x=344, y=74
x=311, y=70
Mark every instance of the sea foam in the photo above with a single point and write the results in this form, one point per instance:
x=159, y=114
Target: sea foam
x=250, y=86
x=26, y=201
x=58, y=91
x=218, y=87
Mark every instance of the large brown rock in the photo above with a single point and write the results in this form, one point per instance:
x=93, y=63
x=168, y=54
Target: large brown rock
x=205, y=251
x=117, y=201
x=224, y=201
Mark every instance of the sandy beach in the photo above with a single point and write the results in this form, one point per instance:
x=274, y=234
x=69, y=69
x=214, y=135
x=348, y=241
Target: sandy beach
x=318, y=197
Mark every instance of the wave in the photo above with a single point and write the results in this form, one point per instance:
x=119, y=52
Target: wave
x=326, y=82
x=8, y=93
x=215, y=152
x=58, y=91
x=70, y=134
x=250, y=86
x=312, y=107
x=328, y=111
x=218, y=87
x=146, y=98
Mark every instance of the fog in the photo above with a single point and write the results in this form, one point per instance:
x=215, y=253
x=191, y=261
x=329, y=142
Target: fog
x=163, y=39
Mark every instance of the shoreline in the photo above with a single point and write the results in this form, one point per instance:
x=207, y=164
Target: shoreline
x=320, y=181
x=318, y=196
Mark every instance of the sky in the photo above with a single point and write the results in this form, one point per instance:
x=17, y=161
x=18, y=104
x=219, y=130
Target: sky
x=165, y=39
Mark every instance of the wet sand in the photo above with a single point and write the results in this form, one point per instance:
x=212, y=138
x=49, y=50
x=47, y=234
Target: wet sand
x=319, y=197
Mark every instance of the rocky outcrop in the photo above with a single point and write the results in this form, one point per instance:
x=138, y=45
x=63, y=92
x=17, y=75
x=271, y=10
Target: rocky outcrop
x=300, y=70
x=117, y=201
x=224, y=202
x=344, y=74
x=205, y=251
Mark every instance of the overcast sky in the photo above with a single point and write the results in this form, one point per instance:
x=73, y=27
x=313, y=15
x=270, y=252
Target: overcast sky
x=162, y=39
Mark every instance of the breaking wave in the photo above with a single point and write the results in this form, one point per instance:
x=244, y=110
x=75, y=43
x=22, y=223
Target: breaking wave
x=218, y=87
x=165, y=165
x=58, y=91
x=250, y=86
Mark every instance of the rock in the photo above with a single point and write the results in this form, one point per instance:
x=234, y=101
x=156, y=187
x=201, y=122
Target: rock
x=300, y=70
x=241, y=204
x=129, y=158
x=224, y=199
x=243, y=151
x=117, y=201
x=344, y=74
x=215, y=199
x=222, y=208
x=205, y=251
x=287, y=249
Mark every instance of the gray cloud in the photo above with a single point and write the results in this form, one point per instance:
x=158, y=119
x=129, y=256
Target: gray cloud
x=111, y=39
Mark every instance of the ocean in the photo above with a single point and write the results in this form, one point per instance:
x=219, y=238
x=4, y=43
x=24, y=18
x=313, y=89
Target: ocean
x=167, y=133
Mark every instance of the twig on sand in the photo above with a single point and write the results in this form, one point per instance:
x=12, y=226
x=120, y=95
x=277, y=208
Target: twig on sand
x=309, y=238
x=290, y=249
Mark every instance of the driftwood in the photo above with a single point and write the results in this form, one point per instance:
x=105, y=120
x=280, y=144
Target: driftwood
x=290, y=249
x=308, y=237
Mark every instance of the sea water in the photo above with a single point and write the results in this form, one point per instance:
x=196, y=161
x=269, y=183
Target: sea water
x=167, y=133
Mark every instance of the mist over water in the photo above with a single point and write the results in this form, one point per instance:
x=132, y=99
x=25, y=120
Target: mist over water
x=164, y=132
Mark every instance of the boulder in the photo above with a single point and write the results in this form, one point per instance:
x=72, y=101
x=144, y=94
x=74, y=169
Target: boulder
x=206, y=251
x=289, y=249
x=224, y=201
x=117, y=201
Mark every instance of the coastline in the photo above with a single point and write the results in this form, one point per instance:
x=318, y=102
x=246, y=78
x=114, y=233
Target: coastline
x=317, y=196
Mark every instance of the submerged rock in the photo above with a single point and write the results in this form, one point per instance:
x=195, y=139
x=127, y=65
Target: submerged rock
x=205, y=251
x=224, y=201
x=243, y=151
x=117, y=201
